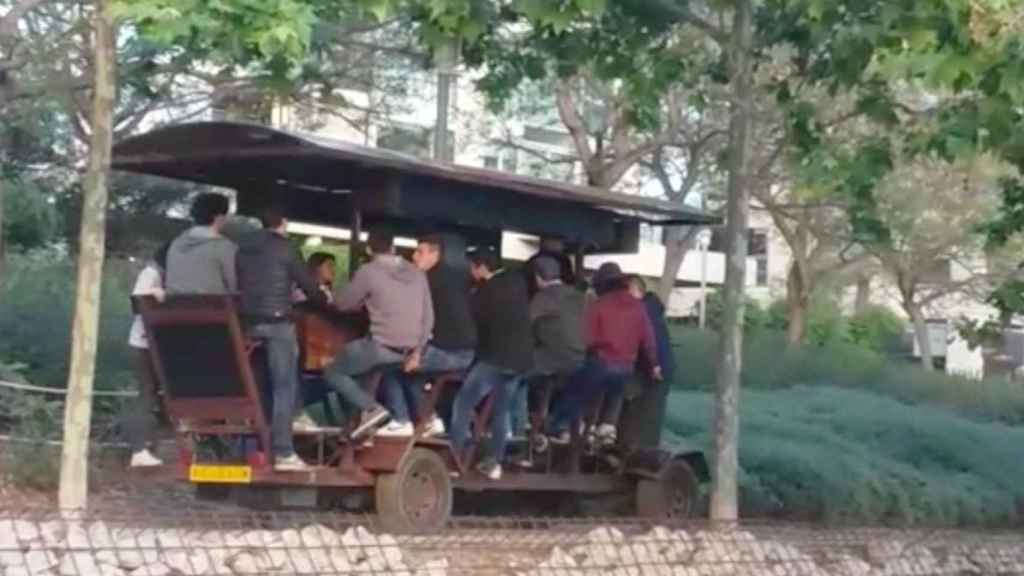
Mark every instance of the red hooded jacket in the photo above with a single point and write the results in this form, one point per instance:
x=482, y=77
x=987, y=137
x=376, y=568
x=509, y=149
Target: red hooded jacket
x=618, y=329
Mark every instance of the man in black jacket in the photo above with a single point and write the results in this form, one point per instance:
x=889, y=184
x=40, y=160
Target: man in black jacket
x=504, y=353
x=268, y=266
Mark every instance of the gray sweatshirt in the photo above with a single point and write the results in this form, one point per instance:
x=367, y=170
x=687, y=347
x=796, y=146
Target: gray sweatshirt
x=201, y=261
x=397, y=296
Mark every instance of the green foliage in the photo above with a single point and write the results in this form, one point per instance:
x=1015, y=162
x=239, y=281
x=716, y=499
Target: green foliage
x=827, y=453
x=31, y=461
x=273, y=35
x=30, y=220
x=755, y=316
x=877, y=328
x=769, y=363
x=36, y=304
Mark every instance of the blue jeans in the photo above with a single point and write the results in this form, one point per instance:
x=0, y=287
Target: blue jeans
x=283, y=366
x=518, y=416
x=483, y=379
x=404, y=392
x=594, y=378
x=359, y=358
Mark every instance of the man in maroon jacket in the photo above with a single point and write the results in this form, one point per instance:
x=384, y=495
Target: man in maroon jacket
x=617, y=332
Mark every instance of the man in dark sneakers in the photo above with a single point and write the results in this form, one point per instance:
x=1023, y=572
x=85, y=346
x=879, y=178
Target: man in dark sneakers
x=397, y=297
x=268, y=266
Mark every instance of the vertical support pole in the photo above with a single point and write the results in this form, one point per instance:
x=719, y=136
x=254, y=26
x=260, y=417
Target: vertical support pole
x=355, y=245
x=577, y=263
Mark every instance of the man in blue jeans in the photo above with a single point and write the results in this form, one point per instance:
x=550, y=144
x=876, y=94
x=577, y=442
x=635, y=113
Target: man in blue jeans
x=268, y=265
x=504, y=354
x=454, y=337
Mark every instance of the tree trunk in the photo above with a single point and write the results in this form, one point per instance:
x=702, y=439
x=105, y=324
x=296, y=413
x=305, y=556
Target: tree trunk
x=725, y=492
x=85, y=327
x=3, y=245
x=863, y=297
x=798, y=299
x=678, y=241
x=924, y=342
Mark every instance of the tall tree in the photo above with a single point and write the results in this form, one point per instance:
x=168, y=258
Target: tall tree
x=85, y=327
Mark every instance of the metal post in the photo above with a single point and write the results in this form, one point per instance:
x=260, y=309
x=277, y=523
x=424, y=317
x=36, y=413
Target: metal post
x=703, y=261
x=703, y=281
x=355, y=242
x=447, y=56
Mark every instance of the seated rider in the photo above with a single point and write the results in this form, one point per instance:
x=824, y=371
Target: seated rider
x=617, y=331
x=397, y=297
x=201, y=260
x=268, y=266
x=504, y=354
x=451, y=348
x=556, y=316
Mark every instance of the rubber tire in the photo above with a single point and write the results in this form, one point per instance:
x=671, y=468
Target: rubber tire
x=390, y=494
x=674, y=494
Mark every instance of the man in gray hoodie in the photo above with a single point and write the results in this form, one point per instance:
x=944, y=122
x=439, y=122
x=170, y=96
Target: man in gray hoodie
x=201, y=260
x=397, y=297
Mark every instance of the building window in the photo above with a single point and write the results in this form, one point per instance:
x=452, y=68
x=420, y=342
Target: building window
x=491, y=162
x=509, y=161
x=761, y=276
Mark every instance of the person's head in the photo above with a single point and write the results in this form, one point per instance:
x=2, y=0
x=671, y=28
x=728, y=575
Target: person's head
x=211, y=210
x=322, y=267
x=160, y=256
x=428, y=252
x=273, y=219
x=483, y=263
x=554, y=245
x=609, y=278
x=548, y=271
x=637, y=286
x=381, y=241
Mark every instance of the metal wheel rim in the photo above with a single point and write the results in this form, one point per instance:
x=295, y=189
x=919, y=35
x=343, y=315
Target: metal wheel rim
x=421, y=493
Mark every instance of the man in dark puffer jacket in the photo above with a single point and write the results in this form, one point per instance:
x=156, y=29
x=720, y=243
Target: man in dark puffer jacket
x=268, y=266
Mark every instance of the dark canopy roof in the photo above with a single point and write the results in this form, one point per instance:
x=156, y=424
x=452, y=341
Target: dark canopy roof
x=324, y=181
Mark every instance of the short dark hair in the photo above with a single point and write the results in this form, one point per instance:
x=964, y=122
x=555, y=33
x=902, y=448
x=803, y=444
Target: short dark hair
x=272, y=217
x=381, y=241
x=208, y=206
x=434, y=240
x=486, y=258
x=317, y=259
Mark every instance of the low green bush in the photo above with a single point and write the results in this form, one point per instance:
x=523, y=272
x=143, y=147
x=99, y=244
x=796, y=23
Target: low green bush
x=769, y=363
x=36, y=305
x=827, y=453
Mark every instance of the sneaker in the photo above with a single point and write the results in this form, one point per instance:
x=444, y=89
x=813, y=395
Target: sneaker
x=540, y=443
x=290, y=464
x=396, y=429
x=605, y=435
x=145, y=459
x=434, y=428
x=492, y=470
x=305, y=423
x=371, y=420
x=561, y=438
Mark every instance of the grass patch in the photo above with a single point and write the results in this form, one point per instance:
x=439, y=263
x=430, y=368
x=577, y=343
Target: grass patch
x=770, y=364
x=833, y=454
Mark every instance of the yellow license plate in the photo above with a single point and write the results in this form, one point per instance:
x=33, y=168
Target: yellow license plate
x=220, y=474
